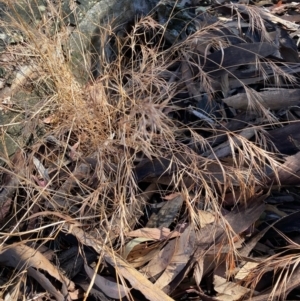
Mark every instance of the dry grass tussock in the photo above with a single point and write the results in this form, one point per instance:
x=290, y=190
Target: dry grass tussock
x=83, y=172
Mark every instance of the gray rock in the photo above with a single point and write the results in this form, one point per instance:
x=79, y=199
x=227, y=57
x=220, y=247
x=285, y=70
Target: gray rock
x=113, y=12
x=20, y=12
x=18, y=126
x=75, y=14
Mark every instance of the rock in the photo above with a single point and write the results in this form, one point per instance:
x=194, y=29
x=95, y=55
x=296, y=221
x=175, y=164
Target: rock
x=104, y=12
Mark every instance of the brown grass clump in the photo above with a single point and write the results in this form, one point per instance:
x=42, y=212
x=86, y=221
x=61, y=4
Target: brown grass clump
x=113, y=145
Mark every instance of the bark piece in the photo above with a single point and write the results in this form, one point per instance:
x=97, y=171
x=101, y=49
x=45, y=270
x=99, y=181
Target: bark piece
x=236, y=55
x=286, y=138
x=273, y=99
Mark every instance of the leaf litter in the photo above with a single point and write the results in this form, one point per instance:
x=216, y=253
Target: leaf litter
x=172, y=173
